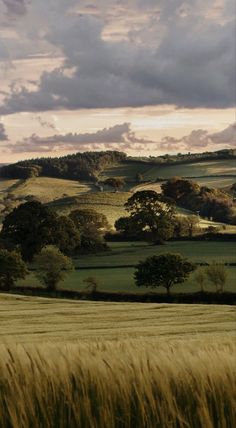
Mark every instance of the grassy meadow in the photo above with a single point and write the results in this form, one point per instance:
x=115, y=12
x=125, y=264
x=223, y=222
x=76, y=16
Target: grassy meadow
x=114, y=269
x=86, y=364
x=207, y=169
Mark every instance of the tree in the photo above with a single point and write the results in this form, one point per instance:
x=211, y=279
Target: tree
x=92, y=284
x=12, y=268
x=217, y=275
x=200, y=277
x=66, y=235
x=191, y=222
x=115, y=182
x=151, y=215
x=176, y=188
x=164, y=270
x=52, y=266
x=92, y=226
x=29, y=227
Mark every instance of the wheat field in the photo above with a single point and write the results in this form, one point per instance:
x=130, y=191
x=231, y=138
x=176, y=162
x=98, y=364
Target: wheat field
x=81, y=364
x=120, y=384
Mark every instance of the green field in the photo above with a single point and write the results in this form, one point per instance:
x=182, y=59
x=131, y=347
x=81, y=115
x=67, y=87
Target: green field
x=151, y=172
x=109, y=203
x=48, y=189
x=106, y=267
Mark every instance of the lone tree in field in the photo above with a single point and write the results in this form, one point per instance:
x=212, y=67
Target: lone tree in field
x=12, y=268
x=217, y=275
x=52, y=266
x=116, y=183
x=164, y=270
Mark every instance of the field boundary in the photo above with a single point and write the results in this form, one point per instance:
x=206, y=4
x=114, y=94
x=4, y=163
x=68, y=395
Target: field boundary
x=202, y=297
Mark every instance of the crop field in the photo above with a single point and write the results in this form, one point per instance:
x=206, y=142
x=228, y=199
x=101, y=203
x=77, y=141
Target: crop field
x=112, y=365
x=36, y=320
x=114, y=269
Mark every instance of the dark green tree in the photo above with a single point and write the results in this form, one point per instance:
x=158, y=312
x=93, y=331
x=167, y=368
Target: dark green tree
x=92, y=227
x=164, y=270
x=29, y=227
x=115, y=182
x=176, y=188
x=151, y=215
x=66, y=236
x=12, y=268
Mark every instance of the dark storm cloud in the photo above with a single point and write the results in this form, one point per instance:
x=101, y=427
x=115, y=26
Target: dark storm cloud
x=185, y=59
x=3, y=134
x=16, y=7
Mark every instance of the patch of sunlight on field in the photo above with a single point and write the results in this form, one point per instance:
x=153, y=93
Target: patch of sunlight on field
x=33, y=319
x=47, y=189
x=5, y=186
x=128, y=170
x=109, y=203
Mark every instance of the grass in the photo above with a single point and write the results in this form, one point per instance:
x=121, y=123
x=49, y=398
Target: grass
x=48, y=189
x=106, y=266
x=109, y=203
x=121, y=280
x=151, y=172
x=5, y=187
x=96, y=365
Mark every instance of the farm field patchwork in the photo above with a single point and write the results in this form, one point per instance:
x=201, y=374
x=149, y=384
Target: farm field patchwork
x=129, y=170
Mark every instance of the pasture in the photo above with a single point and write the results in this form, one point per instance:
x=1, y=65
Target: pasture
x=128, y=170
x=48, y=189
x=114, y=269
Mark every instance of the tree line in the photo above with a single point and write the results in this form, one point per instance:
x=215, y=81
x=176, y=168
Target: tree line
x=79, y=166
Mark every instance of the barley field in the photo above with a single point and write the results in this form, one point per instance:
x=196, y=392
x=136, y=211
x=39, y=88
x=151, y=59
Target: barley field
x=67, y=364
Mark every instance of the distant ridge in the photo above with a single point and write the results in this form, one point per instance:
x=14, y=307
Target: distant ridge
x=89, y=165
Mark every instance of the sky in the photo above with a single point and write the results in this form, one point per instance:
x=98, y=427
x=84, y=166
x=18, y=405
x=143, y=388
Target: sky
x=146, y=77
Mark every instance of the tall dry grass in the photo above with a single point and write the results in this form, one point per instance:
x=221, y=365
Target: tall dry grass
x=117, y=384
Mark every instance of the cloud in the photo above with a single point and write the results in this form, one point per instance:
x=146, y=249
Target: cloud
x=180, y=57
x=16, y=7
x=45, y=123
x=122, y=137
x=3, y=135
x=201, y=139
